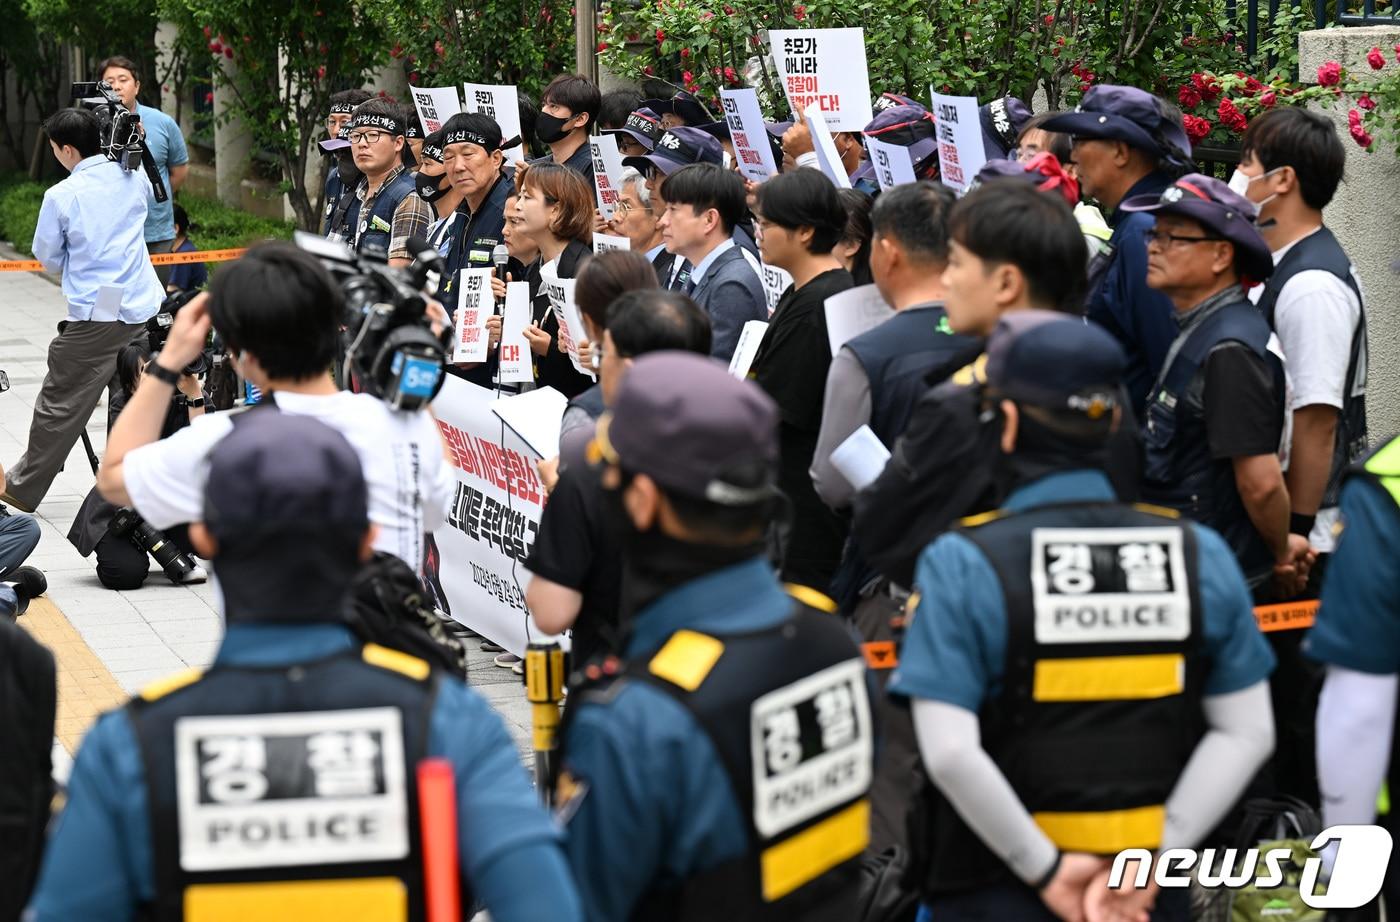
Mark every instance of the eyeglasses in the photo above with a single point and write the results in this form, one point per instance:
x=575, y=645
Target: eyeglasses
x=1165, y=240
x=371, y=136
x=624, y=208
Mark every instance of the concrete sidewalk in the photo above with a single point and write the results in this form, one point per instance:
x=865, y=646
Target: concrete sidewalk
x=133, y=638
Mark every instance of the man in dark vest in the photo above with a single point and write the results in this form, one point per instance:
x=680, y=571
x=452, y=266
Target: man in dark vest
x=389, y=212
x=342, y=108
x=285, y=780
x=1069, y=656
x=719, y=769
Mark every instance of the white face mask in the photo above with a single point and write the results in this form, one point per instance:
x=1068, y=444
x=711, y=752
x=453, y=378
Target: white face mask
x=728, y=161
x=1239, y=184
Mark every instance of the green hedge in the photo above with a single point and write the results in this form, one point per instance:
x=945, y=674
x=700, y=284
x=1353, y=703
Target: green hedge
x=215, y=226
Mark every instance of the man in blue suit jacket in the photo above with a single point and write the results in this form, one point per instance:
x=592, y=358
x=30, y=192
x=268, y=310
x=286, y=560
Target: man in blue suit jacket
x=704, y=202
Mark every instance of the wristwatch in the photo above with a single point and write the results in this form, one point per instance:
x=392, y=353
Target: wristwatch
x=193, y=403
x=161, y=373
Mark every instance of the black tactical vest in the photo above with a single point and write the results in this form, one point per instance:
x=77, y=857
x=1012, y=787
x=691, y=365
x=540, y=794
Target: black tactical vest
x=1099, y=706
x=288, y=791
x=371, y=233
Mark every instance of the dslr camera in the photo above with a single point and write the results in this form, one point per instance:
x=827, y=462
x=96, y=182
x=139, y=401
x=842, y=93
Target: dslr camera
x=389, y=347
x=122, y=141
x=212, y=364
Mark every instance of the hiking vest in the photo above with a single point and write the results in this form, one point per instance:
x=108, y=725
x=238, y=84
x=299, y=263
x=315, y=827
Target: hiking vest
x=1179, y=472
x=288, y=791
x=1321, y=251
x=1099, y=704
x=787, y=709
x=376, y=228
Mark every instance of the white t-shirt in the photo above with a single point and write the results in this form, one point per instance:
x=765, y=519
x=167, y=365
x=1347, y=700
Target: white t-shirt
x=410, y=482
x=1315, y=317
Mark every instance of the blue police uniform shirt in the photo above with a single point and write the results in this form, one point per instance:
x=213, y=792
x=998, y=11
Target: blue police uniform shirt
x=1358, y=625
x=167, y=147
x=98, y=863
x=656, y=803
x=955, y=647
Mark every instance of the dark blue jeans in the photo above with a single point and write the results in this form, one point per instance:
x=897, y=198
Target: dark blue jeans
x=19, y=535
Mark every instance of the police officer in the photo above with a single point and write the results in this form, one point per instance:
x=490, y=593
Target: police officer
x=1067, y=652
x=719, y=770
x=283, y=782
x=1126, y=143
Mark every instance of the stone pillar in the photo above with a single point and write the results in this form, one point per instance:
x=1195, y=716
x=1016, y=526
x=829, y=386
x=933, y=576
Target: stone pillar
x=392, y=79
x=233, y=144
x=167, y=39
x=1363, y=214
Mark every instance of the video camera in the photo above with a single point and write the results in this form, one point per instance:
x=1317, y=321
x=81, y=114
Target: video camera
x=121, y=138
x=390, y=349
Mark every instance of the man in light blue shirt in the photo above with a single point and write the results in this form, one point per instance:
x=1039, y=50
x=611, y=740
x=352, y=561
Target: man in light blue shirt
x=89, y=232
x=167, y=147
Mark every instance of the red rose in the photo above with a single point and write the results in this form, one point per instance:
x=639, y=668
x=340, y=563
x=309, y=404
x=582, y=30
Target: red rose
x=730, y=75
x=649, y=70
x=1366, y=102
x=215, y=47
x=706, y=16
x=208, y=31
x=1397, y=51
x=687, y=77
x=602, y=46
x=1375, y=58
x=396, y=51
x=660, y=36
x=1358, y=133
x=208, y=99
x=1268, y=100
x=228, y=53
x=1231, y=117
x=1188, y=96
x=1196, y=128
x=799, y=12
x=413, y=77
x=321, y=72
x=438, y=49
x=1329, y=74
x=685, y=53
x=728, y=10
x=1049, y=19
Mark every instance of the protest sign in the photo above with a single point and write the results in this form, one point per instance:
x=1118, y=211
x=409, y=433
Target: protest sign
x=825, y=68
x=435, y=105
x=861, y=458
x=517, y=365
x=474, y=306
x=566, y=314
x=750, y=338
x=960, y=151
x=607, y=172
x=476, y=564
x=851, y=312
x=536, y=416
x=604, y=242
x=893, y=166
x=825, y=146
x=749, y=134
x=775, y=282
x=500, y=102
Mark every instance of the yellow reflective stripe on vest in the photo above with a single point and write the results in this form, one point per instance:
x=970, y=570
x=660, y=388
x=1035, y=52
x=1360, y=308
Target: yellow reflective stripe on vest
x=1385, y=466
x=371, y=899
x=686, y=659
x=812, y=852
x=811, y=597
x=162, y=687
x=1104, y=832
x=396, y=661
x=1110, y=678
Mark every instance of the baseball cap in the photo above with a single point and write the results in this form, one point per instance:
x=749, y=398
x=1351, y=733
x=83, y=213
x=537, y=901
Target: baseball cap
x=1052, y=360
x=911, y=127
x=258, y=488
x=1220, y=210
x=683, y=104
x=644, y=126
x=1124, y=113
x=1002, y=120
x=339, y=142
x=678, y=147
x=685, y=422
x=890, y=100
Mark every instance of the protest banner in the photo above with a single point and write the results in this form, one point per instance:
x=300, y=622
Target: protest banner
x=959, y=129
x=536, y=416
x=517, y=365
x=749, y=134
x=607, y=173
x=825, y=68
x=501, y=103
x=825, y=146
x=775, y=282
x=604, y=242
x=750, y=338
x=476, y=564
x=474, y=306
x=566, y=314
x=435, y=105
x=851, y=312
x=892, y=163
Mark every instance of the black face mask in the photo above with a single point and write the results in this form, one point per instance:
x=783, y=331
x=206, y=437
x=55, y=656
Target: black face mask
x=432, y=188
x=550, y=128
x=347, y=171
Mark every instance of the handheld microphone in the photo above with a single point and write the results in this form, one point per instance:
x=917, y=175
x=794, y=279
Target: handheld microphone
x=499, y=257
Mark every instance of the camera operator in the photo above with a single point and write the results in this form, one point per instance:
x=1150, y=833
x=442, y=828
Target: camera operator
x=90, y=231
x=279, y=312
x=162, y=138
x=389, y=211
x=122, y=562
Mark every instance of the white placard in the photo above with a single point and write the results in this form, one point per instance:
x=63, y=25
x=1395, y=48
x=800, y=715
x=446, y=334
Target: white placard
x=108, y=304
x=602, y=243
x=474, y=306
x=825, y=147
x=566, y=314
x=892, y=164
x=607, y=173
x=517, y=366
x=851, y=312
x=825, y=68
x=501, y=103
x=775, y=282
x=959, y=130
x=861, y=458
x=749, y=134
x=475, y=564
x=536, y=416
x=750, y=338
x=435, y=105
